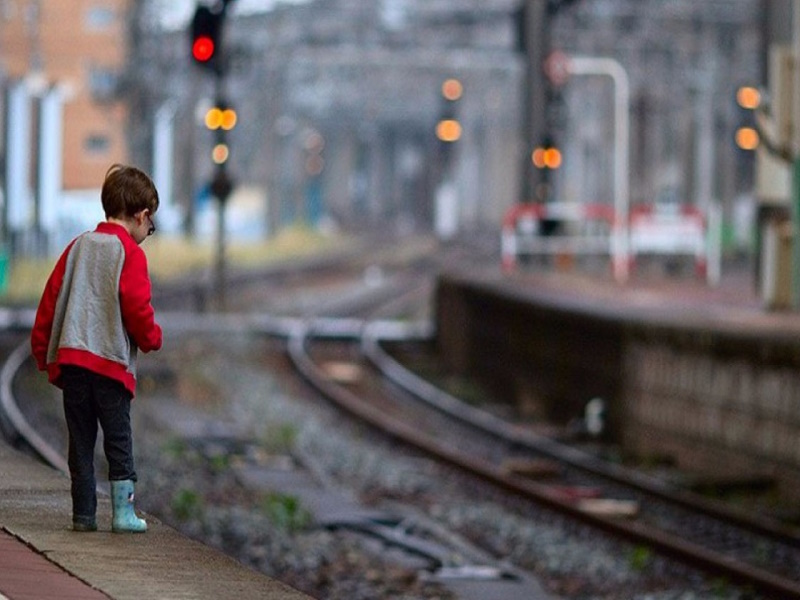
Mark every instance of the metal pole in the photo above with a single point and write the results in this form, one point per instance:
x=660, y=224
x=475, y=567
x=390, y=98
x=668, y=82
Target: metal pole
x=49, y=183
x=18, y=161
x=164, y=159
x=220, y=256
x=795, y=145
x=584, y=65
x=221, y=188
x=535, y=31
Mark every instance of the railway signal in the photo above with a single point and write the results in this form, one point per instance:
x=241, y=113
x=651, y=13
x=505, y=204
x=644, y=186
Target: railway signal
x=748, y=99
x=206, y=36
x=448, y=128
x=220, y=118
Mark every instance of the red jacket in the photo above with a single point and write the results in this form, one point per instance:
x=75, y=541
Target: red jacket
x=95, y=310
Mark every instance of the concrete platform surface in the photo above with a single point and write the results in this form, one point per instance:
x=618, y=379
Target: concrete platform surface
x=41, y=557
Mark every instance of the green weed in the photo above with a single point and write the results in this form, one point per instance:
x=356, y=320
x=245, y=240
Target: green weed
x=640, y=558
x=219, y=462
x=186, y=504
x=280, y=438
x=286, y=511
x=175, y=447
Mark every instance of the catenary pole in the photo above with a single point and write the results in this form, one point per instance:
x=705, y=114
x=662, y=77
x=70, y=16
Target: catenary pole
x=795, y=146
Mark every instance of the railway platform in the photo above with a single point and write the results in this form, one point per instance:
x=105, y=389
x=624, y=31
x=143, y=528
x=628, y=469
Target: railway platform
x=704, y=376
x=42, y=558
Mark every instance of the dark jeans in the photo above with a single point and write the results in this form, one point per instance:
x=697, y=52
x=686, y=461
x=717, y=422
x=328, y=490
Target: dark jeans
x=90, y=398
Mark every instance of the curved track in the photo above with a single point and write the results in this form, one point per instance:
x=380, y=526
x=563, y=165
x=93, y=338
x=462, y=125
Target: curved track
x=749, y=551
x=525, y=438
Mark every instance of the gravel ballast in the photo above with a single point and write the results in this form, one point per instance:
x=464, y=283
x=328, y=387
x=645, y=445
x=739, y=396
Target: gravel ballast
x=238, y=391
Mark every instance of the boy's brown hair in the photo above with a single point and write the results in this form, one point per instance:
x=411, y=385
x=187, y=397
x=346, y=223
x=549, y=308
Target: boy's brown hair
x=127, y=191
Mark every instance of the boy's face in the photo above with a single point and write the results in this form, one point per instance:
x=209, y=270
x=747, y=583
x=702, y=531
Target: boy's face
x=144, y=226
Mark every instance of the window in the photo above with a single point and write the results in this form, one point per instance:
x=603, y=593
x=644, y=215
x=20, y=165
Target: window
x=96, y=143
x=99, y=18
x=102, y=83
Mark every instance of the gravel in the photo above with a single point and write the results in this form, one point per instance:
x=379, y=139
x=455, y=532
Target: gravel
x=238, y=390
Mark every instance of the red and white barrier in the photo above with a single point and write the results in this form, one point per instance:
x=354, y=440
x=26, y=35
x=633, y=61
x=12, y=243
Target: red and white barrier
x=522, y=226
x=649, y=229
x=670, y=230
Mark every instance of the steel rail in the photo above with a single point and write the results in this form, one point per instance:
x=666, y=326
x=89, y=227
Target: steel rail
x=24, y=430
x=489, y=423
x=668, y=544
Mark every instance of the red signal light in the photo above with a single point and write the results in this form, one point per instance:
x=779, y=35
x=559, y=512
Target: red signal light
x=203, y=49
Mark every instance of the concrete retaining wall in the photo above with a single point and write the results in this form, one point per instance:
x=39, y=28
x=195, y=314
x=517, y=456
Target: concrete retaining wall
x=712, y=394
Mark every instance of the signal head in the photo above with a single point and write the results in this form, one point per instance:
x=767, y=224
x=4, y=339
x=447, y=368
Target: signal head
x=203, y=49
x=205, y=35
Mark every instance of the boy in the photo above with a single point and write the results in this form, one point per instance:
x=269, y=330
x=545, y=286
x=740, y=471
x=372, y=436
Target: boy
x=94, y=313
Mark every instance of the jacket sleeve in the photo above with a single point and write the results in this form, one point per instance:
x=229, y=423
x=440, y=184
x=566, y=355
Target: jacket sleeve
x=45, y=313
x=135, y=293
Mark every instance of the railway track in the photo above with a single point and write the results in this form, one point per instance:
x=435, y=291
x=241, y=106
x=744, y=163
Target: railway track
x=450, y=558
x=344, y=358
x=751, y=551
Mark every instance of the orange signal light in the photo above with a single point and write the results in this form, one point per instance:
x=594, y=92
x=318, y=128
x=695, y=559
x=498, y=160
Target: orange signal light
x=538, y=158
x=748, y=97
x=452, y=89
x=221, y=118
x=747, y=138
x=448, y=130
x=552, y=158
x=546, y=158
x=220, y=154
x=229, y=119
x=214, y=118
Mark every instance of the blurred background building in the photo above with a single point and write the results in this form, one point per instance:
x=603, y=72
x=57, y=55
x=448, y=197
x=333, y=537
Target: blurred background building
x=358, y=86
x=338, y=103
x=81, y=49
x=63, y=119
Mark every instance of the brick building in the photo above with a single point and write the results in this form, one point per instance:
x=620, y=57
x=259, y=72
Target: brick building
x=78, y=48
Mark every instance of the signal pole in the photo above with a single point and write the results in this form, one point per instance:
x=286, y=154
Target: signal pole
x=534, y=19
x=448, y=132
x=795, y=146
x=534, y=43
x=207, y=52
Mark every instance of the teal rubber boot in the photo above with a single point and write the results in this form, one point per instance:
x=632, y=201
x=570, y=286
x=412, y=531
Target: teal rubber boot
x=124, y=519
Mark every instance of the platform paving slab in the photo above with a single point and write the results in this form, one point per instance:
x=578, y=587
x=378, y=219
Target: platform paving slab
x=35, y=516
x=24, y=574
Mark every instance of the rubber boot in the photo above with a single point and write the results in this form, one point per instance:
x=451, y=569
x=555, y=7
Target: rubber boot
x=83, y=523
x=124, y=519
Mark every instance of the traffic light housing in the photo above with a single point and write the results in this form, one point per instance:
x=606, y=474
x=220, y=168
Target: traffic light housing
x=746, y=137
x=448, y=127
x=206, y=36
x=220, y=118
